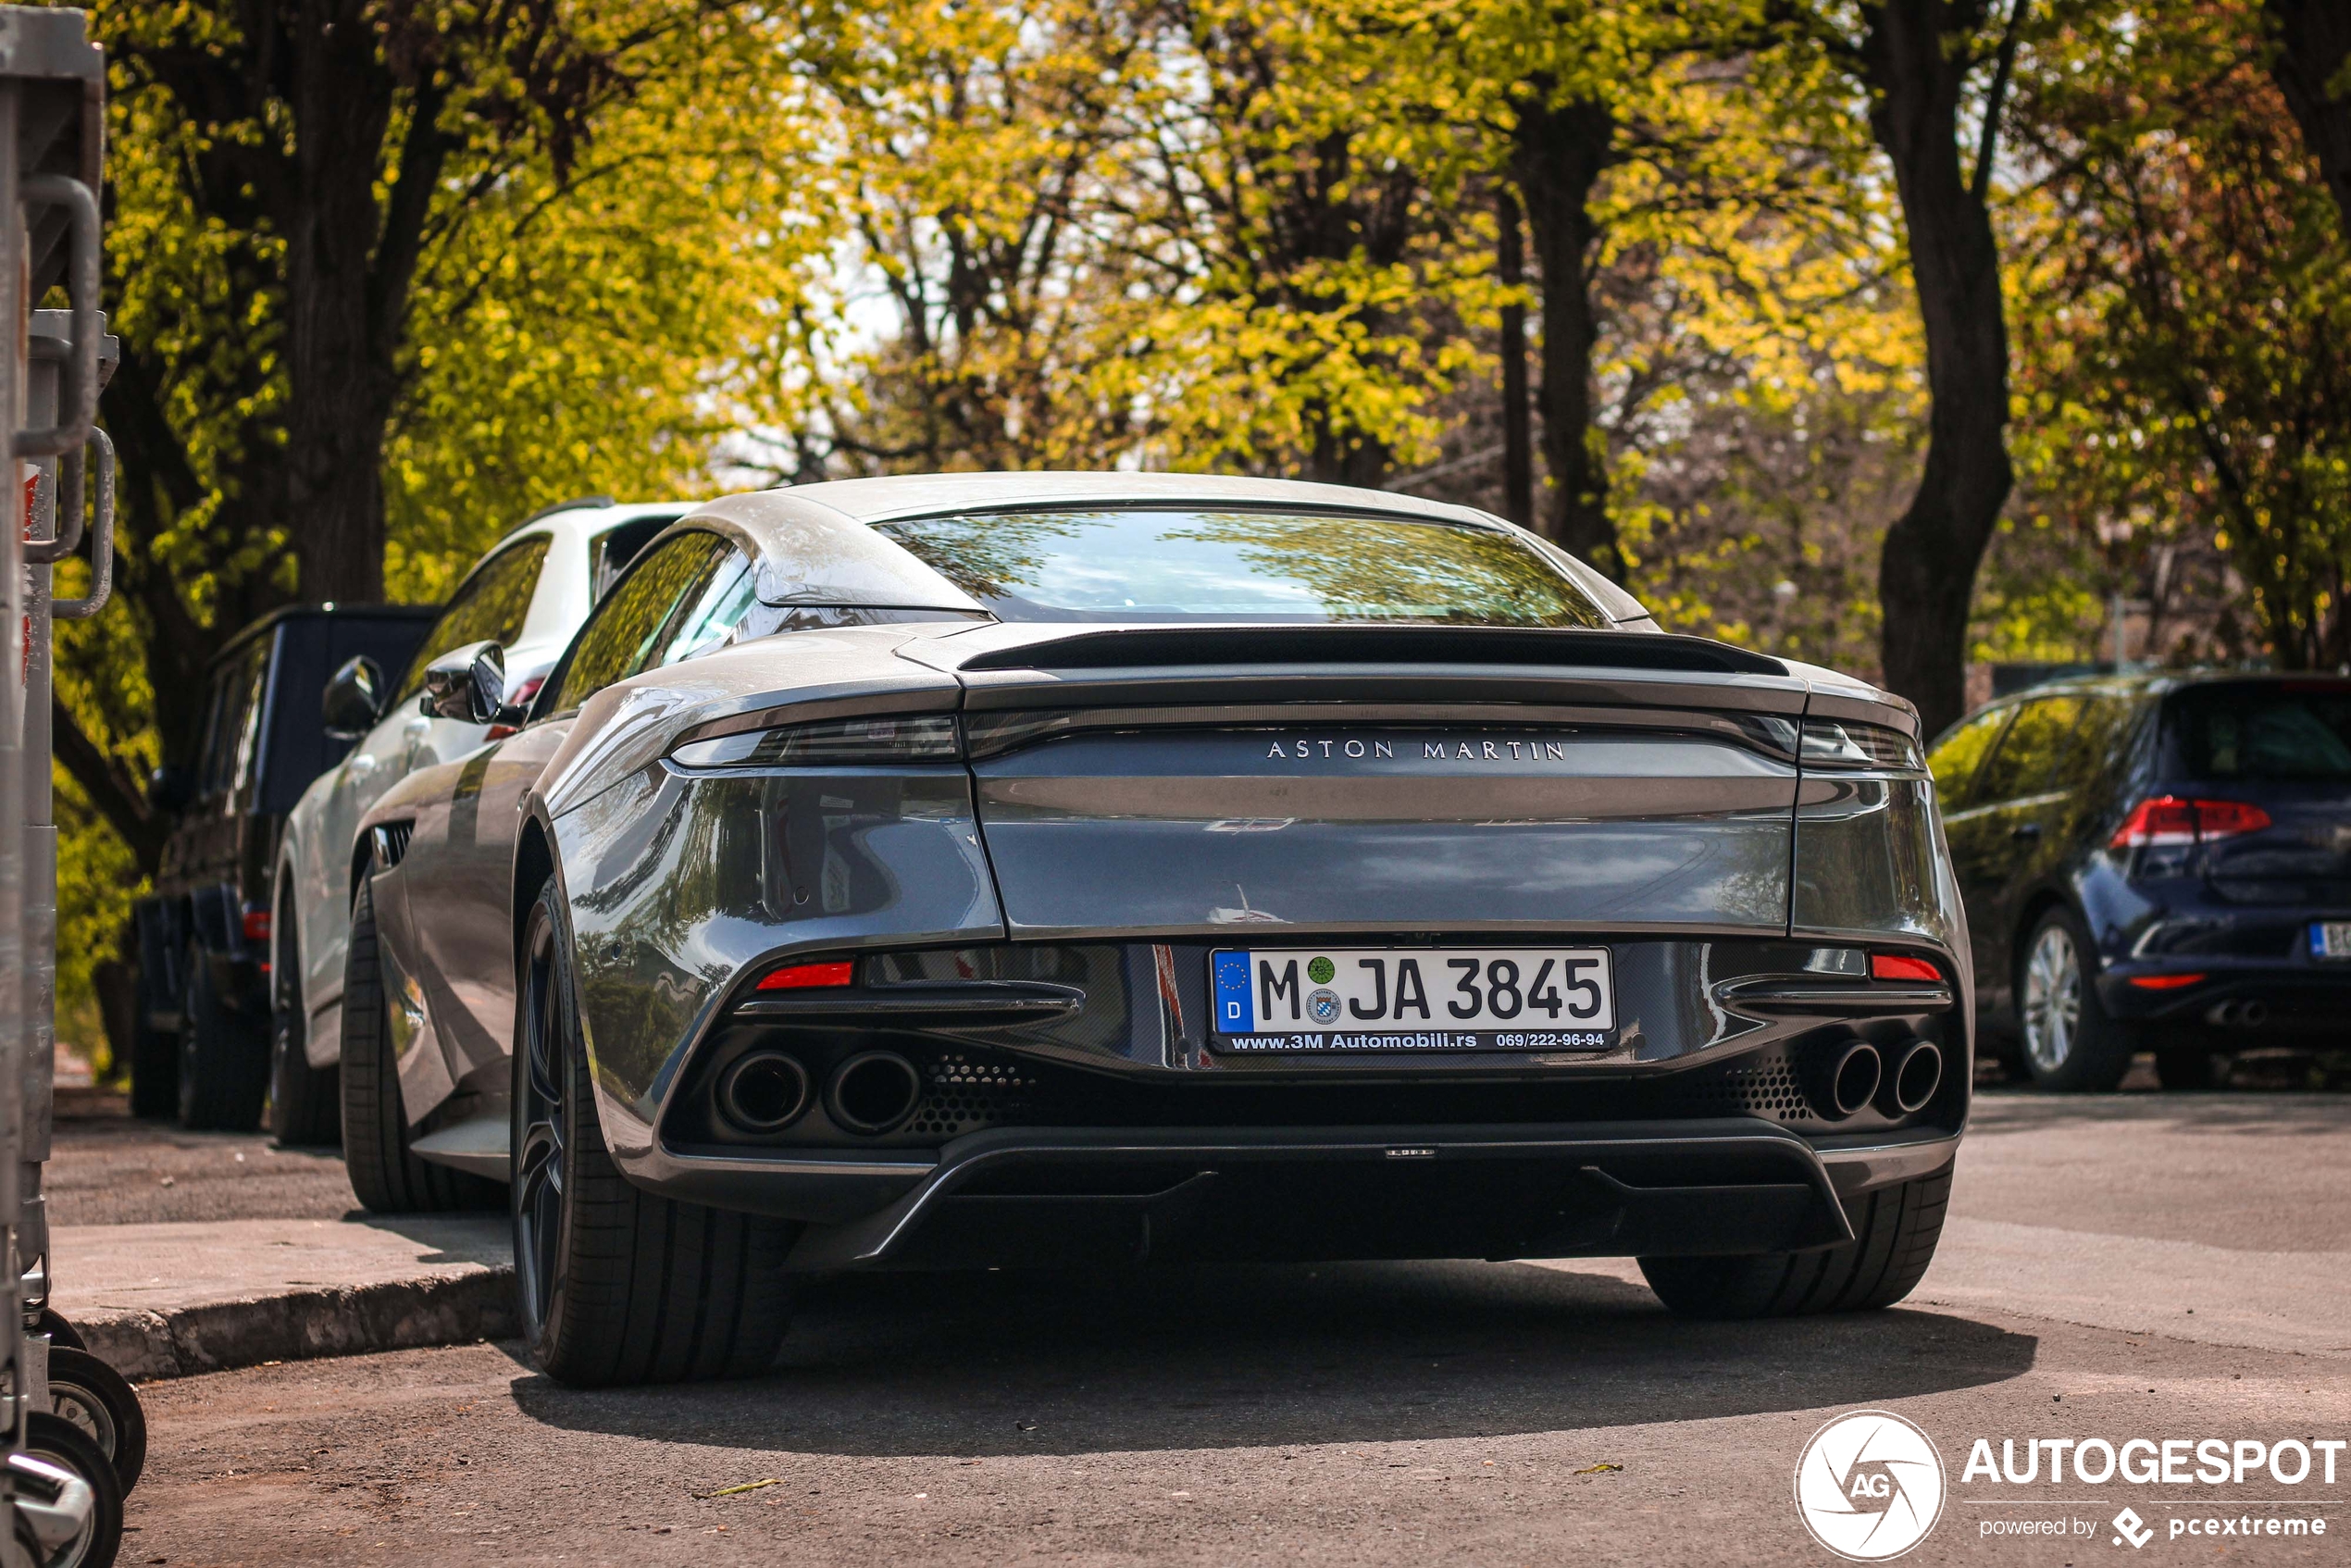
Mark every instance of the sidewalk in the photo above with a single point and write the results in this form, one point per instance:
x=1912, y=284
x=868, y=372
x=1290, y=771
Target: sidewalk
x=168, y=1298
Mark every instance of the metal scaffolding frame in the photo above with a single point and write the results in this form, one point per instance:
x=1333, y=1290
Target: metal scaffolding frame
x=51, y=364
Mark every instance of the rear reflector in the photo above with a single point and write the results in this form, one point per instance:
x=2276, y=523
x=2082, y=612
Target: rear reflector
x=1895, y=966
x=2168, y=820
x=2164, y=982
x=800, y=976
x=256, y=925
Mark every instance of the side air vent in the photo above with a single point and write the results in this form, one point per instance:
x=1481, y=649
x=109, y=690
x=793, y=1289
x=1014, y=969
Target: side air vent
x=391, y=842
x=1765, y=1085
x=1530, y=646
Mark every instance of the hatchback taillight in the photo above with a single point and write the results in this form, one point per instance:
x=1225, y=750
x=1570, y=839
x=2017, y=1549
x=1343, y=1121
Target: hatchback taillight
x=2170, y=819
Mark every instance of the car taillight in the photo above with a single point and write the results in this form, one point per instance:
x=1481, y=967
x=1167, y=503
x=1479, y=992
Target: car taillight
x=2170, y=819
x=1899, y=966
x=2165, y=982
x=802, y=976
x=839, y=742
x=256, y=925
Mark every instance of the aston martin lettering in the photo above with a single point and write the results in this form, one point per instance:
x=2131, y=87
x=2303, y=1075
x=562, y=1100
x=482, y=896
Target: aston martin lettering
x=1431, y=751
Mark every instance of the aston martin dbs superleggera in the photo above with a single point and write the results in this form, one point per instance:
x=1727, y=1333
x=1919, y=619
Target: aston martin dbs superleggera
x=1058, y=869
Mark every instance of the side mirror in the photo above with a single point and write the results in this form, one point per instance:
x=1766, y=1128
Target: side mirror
x=170, y=787
x=355, y=699
x=469, y=684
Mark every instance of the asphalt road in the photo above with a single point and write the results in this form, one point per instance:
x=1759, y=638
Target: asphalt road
x=2133, y=1266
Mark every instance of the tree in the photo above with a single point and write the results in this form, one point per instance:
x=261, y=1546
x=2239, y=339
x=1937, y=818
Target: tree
x=2189, y=312
x=1923, y=65
x=2310, y=60
x=550, y=321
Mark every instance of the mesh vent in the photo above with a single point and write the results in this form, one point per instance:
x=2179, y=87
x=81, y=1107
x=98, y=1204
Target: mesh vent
x=963, y=1094
x=1765, y=1087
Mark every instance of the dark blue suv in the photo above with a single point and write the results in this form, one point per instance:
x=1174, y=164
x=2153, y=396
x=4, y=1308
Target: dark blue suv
x=2155, y=861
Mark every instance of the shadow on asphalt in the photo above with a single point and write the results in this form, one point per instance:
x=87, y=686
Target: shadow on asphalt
x=993, y=1364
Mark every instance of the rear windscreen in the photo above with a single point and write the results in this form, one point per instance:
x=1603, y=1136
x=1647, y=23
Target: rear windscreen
x=2279, y=734
x=1195, y=564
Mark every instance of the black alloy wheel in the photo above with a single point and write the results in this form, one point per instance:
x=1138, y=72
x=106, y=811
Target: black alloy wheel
x=618, y=1286
x=536, y=1189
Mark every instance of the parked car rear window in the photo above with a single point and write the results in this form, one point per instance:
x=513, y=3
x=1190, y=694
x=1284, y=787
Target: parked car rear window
x=490, y=606
x=1190, y=564
x=2272, y=734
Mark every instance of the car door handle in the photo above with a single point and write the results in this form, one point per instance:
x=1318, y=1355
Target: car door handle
x=2025, y=830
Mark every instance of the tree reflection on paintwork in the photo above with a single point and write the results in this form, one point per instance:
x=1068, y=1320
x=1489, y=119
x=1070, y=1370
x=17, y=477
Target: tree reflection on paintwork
x=1153, y=565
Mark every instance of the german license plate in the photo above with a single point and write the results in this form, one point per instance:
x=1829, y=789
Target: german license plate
x=2331, y=938
x=1414, y=999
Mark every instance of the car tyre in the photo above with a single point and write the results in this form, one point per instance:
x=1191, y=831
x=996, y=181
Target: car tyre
x=385, y=1172
x=2072, y=1045
x=224, y=1059
x=1894, y=1239
x=618, y=1286
x=154, y=1063
x=305, y=1103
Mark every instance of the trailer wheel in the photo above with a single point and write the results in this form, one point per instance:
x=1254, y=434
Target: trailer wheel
x=95, y=1398
x=55, y=1440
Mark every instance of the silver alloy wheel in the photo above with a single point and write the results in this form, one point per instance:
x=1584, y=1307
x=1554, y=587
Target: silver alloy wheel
x=2052, y=998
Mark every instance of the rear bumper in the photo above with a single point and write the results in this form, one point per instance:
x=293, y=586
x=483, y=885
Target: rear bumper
x=2295, y=997
x=1067, y=1196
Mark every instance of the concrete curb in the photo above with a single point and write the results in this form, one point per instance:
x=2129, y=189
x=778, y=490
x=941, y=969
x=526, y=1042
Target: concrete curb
x=304, y=1324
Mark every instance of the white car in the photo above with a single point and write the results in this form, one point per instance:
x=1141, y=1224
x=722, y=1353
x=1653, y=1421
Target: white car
x=529, y=594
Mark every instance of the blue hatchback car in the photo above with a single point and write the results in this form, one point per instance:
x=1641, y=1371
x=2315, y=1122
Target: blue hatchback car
x=2155, y=861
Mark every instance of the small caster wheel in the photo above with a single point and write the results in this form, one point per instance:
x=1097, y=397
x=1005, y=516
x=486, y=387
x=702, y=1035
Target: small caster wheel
x=95, y=1396
x=52, y=1323
x=51, y=1521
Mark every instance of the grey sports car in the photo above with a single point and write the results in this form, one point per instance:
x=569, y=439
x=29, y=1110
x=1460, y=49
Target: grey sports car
x=1068, y=869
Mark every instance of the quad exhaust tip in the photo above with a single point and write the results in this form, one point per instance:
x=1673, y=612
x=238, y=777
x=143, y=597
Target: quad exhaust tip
x=2235, y=1014
x=872, y=1091
x=1848, y=1080
x=765, y=1092
x=1918, y=1073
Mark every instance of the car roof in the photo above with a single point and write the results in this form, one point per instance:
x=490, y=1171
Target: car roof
x=582, y=518
x=2161, y=683
x=254, y=629
x=912, y=495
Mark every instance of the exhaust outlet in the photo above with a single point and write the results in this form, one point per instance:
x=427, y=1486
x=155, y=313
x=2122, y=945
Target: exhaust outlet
x=1918, y=1073
x=872, y=1091
x=765, y=1092
x=1845, y=1078
x=2239, y=1015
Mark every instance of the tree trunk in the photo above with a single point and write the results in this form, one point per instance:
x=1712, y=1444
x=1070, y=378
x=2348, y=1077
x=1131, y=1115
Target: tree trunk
x=2312, y=43
x=338, y=370
x=1518, y=436
x=1926, y=575
x=1559, y=156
